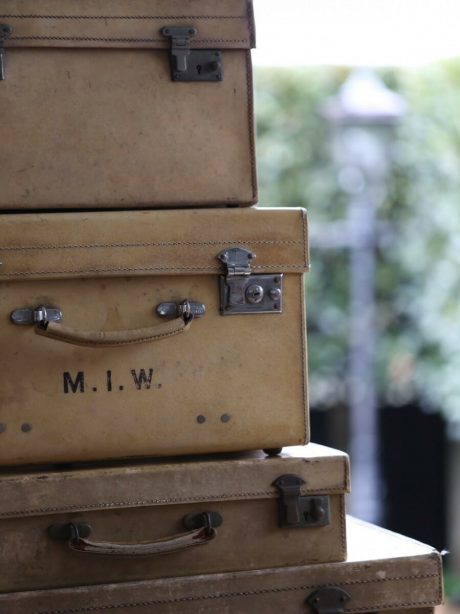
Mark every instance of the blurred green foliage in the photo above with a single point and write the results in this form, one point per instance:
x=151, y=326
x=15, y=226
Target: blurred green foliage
x=418, y=273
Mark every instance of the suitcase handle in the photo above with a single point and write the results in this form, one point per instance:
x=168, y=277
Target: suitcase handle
x=196, y=537
x=103, y=339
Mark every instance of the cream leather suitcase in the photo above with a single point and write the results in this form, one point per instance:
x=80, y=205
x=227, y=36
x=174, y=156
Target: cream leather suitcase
x=151, y=333
x=385, y=572
x=197, y=515
x=126, y=103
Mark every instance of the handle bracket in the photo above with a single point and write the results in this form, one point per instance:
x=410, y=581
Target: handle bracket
x=64, y=532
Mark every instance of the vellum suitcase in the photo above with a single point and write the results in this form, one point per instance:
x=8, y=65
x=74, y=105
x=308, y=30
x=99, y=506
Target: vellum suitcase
x=151, y=333
x=126, y=103
x=168, y=518
x=384, y=572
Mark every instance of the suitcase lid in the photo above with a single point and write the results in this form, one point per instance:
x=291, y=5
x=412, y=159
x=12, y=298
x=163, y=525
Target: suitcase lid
x=223, y=24
x=29, y=492
x=142, y=243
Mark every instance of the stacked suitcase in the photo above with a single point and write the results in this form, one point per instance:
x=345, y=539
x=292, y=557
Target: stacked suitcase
x=153, y=357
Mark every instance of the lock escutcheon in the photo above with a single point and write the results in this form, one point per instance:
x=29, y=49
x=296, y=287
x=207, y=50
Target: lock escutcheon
x=254, y=294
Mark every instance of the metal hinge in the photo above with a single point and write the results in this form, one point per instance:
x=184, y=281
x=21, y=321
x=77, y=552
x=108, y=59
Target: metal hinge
x=328, y=600
x=242, y=292
x=5, y=33
x=296, y=511
x=39, y=315
x=192, y=64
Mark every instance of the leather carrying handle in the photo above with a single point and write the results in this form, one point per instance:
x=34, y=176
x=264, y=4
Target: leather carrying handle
x=182, y=541
x=102, y=339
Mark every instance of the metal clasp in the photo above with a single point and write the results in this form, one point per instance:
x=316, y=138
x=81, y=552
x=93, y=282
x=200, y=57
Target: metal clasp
x=241, y=292
x=40, y=315
x=180, y=45
x=5, y=33
x=297, y=511
x=188, y=64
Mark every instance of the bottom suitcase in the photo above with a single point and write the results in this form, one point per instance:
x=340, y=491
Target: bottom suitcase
x=384, y=571
x=95, y=525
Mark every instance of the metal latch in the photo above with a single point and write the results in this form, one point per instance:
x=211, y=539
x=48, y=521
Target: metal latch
x=296, y=511
x=192, y=64
x=5, y=33
x=328, y=600
x=242, y=292
x=39, y=315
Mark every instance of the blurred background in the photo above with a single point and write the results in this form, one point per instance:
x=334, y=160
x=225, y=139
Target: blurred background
x=358, y=121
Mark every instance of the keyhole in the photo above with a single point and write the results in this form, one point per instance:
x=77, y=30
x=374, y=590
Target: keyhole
x=198, y=69
x=254, y=294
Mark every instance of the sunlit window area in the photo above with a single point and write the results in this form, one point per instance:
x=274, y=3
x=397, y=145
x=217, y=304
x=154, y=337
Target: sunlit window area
x=357, y=106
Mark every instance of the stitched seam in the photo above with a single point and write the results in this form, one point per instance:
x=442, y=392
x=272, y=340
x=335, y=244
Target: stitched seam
x=343, y=527
x=118, y=40
x=251, y=21
x=251, y=128
x=391, y=607
x=215, y=17
x=303, y=336
x=251, y=593
x=131, y=270
x=305, y=240
x=147, y=502
x=152, y=244
x=437, y=559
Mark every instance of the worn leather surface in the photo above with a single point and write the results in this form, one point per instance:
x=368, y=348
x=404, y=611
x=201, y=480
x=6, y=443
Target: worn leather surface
x=144, y=502
x=95, y=120
x=406, y=577
x=227, y=383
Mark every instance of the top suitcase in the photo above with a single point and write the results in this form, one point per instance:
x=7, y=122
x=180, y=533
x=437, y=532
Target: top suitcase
x=126, y=103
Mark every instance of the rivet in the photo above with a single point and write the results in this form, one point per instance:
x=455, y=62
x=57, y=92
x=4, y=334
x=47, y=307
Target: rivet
x=275, y=294
x=225, y=417
x=26, y=427
x=2, y=427
x=200, y=419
